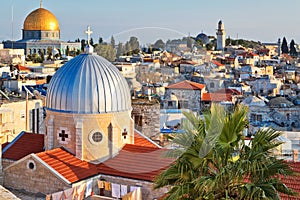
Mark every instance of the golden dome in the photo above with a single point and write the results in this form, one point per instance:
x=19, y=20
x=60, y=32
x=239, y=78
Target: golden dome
x=41, y=19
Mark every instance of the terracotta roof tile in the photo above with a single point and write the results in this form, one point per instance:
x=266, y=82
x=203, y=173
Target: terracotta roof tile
x=190, y=62
x=23, y=145
x=136, y=162
x=228, y=91
x=186, y=85
x=291, y=182
x=66, y=164
x=141, y=140
x=217, y=63
x=216, y=97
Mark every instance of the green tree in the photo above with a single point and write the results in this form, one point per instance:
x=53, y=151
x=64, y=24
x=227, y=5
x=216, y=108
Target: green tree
x=284, y=46
x=293, y=51
x=41, y=54
x=83, y=43
x=49, y=53
x=100, y=41
x=134, y=44
x=213, y=161
x=159, y=44
x=120, y=50
x=91, y=41
x=106, y=51
x=128, y=49
x=112, y=41
x=67, y=51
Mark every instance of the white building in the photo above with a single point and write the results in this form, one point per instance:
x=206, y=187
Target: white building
x=13, y=56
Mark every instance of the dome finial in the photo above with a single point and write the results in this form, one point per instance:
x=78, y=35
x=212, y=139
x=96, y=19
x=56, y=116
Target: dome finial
x=41, y=3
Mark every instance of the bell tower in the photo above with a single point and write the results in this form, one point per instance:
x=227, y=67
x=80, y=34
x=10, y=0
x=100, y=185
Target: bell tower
x=221, y=34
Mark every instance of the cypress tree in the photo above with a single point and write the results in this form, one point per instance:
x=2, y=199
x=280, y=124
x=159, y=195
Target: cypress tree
x=284, y=46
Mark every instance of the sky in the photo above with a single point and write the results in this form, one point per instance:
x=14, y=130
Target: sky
x=258, y=20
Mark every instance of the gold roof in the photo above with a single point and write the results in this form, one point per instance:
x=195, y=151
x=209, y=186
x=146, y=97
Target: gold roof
x=41, y=19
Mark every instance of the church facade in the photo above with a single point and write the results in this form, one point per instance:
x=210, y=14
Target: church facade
x=89, y=137
x=40, y=33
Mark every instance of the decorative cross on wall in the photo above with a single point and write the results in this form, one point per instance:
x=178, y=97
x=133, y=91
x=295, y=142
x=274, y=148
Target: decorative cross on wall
x=63, y=135
x=124, y=133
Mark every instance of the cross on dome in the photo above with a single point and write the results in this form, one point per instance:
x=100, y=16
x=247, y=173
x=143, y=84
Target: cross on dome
x=88, y=32
x=41, y=3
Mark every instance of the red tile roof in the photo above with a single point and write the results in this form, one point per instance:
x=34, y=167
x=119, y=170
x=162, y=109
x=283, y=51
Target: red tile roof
x=186, y=85
x=133, y=161
x=216, y=97
x=248, y=54
x=141, y=140
x=217, y=63
x=228, y=91
x=66, y=164
x=23, y=68
x=23, y=145
x=189, y=62
x=136, y=162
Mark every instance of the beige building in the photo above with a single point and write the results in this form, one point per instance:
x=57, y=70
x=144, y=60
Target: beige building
x=12, y=56
x=13, y=118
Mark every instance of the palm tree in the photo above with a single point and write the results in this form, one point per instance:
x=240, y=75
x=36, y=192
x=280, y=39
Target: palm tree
x=213, y=161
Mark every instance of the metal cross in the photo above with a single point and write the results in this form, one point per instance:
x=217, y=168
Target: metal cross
x=88, y=32
x=63, y=135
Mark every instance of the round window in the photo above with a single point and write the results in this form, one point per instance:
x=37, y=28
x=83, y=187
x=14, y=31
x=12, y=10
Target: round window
x=31, y=165
x=97, y=137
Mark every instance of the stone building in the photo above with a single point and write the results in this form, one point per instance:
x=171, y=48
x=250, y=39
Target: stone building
x=146, y=116
x=263, y=86
x=183, y=95
x=12, y=56
x=278, y=112
x=13, y=117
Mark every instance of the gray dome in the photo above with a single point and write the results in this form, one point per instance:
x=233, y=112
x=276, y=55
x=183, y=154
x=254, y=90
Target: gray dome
x=88, y=84
x=203, y=37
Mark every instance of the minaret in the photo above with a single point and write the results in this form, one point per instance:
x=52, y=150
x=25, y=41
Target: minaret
x=221, y=34
x=279, y=47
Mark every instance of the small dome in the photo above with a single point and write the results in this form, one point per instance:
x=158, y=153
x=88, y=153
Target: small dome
x=88, y=84
x=203, y=37
x=41, y=19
